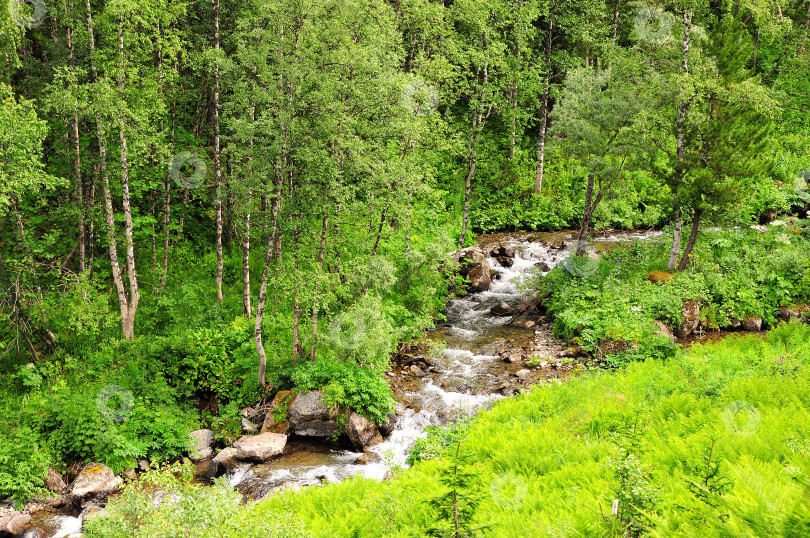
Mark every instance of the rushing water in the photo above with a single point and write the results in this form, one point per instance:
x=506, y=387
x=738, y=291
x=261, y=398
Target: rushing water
x=466, y=371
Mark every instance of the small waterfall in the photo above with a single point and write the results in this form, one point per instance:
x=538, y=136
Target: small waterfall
x=467, y=368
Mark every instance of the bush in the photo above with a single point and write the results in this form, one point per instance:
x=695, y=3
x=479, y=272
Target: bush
x=24, y=463
x=731, y=274
x=165, y=503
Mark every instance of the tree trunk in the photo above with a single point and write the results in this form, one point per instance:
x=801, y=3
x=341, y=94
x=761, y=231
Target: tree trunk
x=543, y=130
x=181, y=222
x=257, y=331
x=167, y=207
x=379, y=233
x=77, y=168
x=467, y=193
x=91, y=207
x=268, y=259
x=217, y=156
x=806, y=28
x=296, y=303
x=246, y=309
x=680, y=151
x=324, y=227
x=615, y=25
x=77, y=174
x=676, y=237
x=134, y=297
x=691, y=242
x=152, y=196
x=586, y=216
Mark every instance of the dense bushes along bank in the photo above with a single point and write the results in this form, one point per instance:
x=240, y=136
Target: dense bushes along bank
x=609, y=307
x=713, y=442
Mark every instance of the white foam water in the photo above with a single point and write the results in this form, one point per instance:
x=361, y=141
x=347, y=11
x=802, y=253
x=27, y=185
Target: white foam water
x=468, y=320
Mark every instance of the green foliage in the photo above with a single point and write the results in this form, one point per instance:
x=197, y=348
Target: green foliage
x=731, y=275
x=456, y=507
x=347, y=387
x=166, y=503
x=24, y=463
x=642, y=435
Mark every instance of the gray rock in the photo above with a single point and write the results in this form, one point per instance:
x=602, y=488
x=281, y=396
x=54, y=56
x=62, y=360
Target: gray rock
x=523, y=374
x=227, y=457
x=388, y=426
x=262, y=447
x=12, y=521
x=96, y=480
x=501, y=309
x=513, y=358
x=54, y=482
x=34, y=532
x=544, y=267
x=248, y=426
x=691, y=318
x=751, y=323
x=415, y=370
x=143, y=466
x=474, y=266
x=307, y=407
x=316, y=428
x=204, y=448
x=362, y=432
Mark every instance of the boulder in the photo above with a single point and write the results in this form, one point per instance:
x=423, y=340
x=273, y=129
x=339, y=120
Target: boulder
x=613, y=347
x=691, y=318
x=513, y=358
x=307, y=407
x=659, y=277
x=523, y=374
x=362, y=432
x=388, y=426
x=751, y=323
x=276, y=419
x=143, y=466
x=248, y=426
x=227, y=457
x=96, y=480
x=501, y=309
x=12, y=521
x=54, y=482
x=34, y=532
x=261, y=448
x=544, y=267
x=664, y=331
x=204, y=447
x=474, y=266
x=368, y=457
x=788, y=313
x=504, y=255
x=418, y=372
x=310, y=416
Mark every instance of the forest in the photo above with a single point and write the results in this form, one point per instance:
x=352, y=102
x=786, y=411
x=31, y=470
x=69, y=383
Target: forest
x=404, y=268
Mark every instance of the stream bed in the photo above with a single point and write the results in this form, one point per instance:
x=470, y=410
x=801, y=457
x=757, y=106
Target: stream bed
x=467, y=375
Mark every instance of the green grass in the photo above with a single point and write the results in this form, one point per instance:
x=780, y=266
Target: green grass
x=651, y=423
